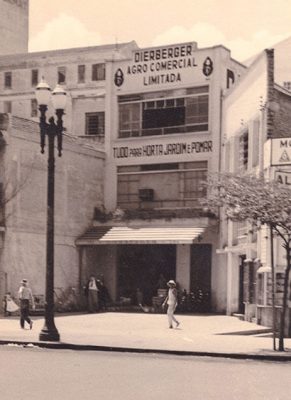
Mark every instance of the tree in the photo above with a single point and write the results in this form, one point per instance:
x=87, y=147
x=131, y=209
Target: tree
x=9, y=188
x=254, y=199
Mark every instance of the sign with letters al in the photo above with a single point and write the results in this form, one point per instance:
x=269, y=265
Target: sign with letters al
x=281, y=151
x=283, y=177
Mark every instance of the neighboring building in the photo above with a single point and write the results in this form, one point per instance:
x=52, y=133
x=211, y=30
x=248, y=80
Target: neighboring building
x=81, y=71
x=162, y=137
x=79, y=179
x=14, y=26
x=255, y=111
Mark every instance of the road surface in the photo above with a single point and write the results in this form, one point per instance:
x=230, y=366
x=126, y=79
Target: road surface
x=41, y=374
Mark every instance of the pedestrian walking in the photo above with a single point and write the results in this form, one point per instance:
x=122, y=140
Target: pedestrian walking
x=172, y=301
x=92, y=294
x=25, y=297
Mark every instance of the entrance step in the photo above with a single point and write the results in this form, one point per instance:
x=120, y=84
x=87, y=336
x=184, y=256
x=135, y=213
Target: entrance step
x=239, y=316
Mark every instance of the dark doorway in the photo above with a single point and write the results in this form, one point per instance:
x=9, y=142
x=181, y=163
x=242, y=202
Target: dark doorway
x=200, y=279
x=140, y=266
x=242, y=278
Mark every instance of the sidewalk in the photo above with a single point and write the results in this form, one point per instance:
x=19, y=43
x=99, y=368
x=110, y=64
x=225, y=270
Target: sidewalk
x=212, y=335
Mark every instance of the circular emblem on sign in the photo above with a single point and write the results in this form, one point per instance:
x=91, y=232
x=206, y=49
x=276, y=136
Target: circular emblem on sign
x=118, y=77
x=207, y=66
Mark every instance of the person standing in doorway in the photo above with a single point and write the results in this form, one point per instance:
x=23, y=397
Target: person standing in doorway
x=9, y=305
x=25, y=296
x=92, y=292
x=172, y=301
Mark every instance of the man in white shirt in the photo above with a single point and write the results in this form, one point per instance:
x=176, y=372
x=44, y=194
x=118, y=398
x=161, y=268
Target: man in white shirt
x=25, y=296
x=172, y=301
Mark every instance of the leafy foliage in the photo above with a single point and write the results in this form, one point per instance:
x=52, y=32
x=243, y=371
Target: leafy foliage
x=250, y=198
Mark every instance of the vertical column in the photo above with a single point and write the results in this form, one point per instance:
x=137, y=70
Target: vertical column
x=112, y=267
x=183, y=266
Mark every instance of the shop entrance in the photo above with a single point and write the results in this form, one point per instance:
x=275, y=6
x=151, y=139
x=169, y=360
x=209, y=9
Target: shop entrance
x=200, y=278
x=242, y=284
x=140, y=266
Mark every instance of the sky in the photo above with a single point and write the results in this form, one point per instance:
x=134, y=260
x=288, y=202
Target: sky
x=246, y=27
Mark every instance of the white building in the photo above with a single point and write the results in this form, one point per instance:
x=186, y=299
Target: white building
x=162, y=136
x=255, y=111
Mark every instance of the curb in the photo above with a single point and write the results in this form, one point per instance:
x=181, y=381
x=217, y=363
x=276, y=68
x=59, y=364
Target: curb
x=82, y=347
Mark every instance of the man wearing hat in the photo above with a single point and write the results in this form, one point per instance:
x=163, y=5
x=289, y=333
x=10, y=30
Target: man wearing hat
x=172, y=301
x=25, y=295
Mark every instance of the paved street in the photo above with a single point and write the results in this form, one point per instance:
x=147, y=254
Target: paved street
x=41, y=374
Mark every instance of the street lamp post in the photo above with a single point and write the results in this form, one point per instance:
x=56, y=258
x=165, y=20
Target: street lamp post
x=51, y=129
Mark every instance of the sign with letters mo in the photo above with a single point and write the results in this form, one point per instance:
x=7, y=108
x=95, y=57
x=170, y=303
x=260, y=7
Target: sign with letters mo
x=281, y=151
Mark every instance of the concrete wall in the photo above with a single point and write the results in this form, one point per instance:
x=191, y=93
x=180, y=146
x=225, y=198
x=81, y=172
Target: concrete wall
x=14, y=26
x=78, y=189
x=244, y=101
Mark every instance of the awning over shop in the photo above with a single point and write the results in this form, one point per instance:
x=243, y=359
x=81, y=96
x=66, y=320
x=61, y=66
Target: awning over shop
x=139, y=235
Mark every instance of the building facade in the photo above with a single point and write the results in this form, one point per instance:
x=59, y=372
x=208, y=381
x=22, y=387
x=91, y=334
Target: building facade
x=156, y=115
x=143, y=128
x=256, y=111
x=162, y=137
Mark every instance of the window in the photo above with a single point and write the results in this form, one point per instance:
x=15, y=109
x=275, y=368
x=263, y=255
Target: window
x=255, y=143
x=33, y=108
x=173, y=185
x=98, y=72
x=34, y=77
x=81, y=73
x=61, y=75
x=7, y=107
x=95, y=123
x=129, y=119
x=287, y=85
x=162, y=113
x=8, y=80
x=244, y=151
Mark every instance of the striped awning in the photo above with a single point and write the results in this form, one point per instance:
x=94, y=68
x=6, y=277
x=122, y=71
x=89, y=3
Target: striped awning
x=139, y=235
